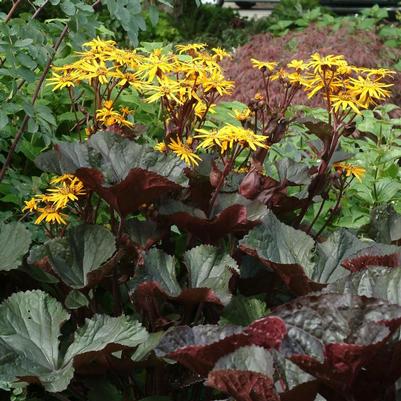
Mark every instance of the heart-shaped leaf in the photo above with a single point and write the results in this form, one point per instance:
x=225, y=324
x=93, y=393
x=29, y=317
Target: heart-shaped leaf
x=245, y=374
x=209, y=268
x=284, y=249
x=15, y=240
x=333, y=336
x=80, y=253
x=30, y=324
x=200, y=347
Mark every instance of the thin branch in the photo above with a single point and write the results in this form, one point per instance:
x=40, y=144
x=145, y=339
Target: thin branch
x=12, y=11
x=35, y=95
x=39, y=10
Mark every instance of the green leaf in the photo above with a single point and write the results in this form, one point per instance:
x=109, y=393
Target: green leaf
x=250, y=358
x=148, y=346
x=30, y=325
x=286, y=250
x=375, y=282
x=339, y=246
x=15, y=240
x=290, y=170
x=81, y=252
x=243, y=311
x=212, y=269
x=68, y=7
x=3, y=119
x=385, y=224
x=29, y=335
x=153, y=14
x=158, y=267
x=114, y=156
x=143, y=233
x=278, y=243
x=75, y=300
x=102, y=330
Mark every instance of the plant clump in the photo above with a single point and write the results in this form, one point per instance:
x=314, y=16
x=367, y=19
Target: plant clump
x=189, y=264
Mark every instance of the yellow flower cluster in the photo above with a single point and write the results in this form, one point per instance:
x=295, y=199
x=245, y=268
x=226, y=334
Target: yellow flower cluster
x=345, y=87
x=186, y=82
x=228, y=138
x=109, y=117
x=48, y=207
x=350, y=170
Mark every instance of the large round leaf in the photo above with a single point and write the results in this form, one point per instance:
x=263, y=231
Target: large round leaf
x=14, y=244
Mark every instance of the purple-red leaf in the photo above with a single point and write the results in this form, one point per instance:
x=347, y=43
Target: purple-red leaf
x=217, y=342
x=243, y=385
x=138, y=188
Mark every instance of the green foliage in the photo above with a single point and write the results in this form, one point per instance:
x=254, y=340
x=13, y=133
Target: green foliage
x=26, y=47
x=169, y=277
x=15, y=240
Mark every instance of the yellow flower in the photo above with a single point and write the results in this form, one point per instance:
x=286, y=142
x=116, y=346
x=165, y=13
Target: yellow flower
x=160, y=147
x=229, y=136
x=50, y=214
x=190, y=47
x=216, y=82
x=320, y=63
x=297, y=64
x=61, y=195
x=379, y=72
x=268, y=65
x=242, y=115
x=314, y=83
x=345, y=101
x=348, y=170
x=60, y=81
x=184, y=152
x=110, y=117
x=30, y=205
x=156, y=64
x=62, y=178
x=368, y=90
x=91, y=68
x=220, y=54
x=99, y=44
x=132, y=79
x=167, y=88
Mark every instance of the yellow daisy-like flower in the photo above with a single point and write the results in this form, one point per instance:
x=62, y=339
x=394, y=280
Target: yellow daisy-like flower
x=268, y=65
x=184, y=152
x=320, y=63
x=156, y=64
x=30, y=205
x=65, y=193
x=50, y=214
x=297, y=64
x=216, y=82
x=62, y=178
x=368, y=90
x=242, y=115
x=345, y=101
x=348, y=169
x=99, y=44
x=190, y=47
x=220, y=54
x=229, y=136
x=167, y=87
x=378, y=72
x=65, y=80
x=91, y=68
x=160, y=147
